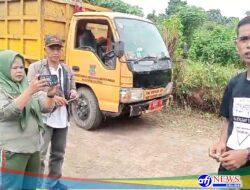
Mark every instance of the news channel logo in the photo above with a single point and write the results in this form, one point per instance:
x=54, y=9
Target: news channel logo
x=205, y=180
x=219, y=181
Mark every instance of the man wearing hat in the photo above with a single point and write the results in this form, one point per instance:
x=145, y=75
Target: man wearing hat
x=57, y=121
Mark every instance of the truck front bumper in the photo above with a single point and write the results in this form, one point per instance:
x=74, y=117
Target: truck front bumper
x=136, y=109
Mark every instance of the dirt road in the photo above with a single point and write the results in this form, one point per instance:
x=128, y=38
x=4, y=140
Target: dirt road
x=172, y=143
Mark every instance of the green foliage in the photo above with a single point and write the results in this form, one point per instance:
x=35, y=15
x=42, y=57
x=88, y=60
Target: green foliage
x=174, y=6
x=214, y=15
x=206, y=80
x=178, y=25
x=210, y=37
x=171, y=30
x=214, y=43
x=191, y=18
x=117, y=5
x=153, y=17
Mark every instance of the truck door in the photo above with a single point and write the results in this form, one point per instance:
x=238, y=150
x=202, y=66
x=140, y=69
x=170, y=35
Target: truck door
x=93, y=62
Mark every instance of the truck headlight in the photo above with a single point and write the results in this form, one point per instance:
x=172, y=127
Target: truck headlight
x=129, y=95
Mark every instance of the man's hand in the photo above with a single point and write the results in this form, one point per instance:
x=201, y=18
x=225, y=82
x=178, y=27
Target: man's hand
x=60, y=101
x=217, y=150
x=234, y=159
x=73, y=94
x=52, y=90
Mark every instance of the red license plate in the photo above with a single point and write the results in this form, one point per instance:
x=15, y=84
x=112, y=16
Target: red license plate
x=156, y=104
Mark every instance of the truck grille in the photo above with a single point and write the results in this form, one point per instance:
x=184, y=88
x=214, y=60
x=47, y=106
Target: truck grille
x=152, y=79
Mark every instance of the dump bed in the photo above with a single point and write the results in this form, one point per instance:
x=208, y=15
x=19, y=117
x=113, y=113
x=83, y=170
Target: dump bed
x=25, y=23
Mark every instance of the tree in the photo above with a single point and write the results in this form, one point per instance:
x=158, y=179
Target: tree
x=117, y=5
x=214, y=43
x=191, y=18
x=214, y=15
x=153, y=17
x=174, y=7
x=157, y=19
x=171, y=30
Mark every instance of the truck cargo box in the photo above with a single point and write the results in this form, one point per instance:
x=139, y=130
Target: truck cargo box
x=25, y=23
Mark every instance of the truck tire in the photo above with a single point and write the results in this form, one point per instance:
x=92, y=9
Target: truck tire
x=85, y=111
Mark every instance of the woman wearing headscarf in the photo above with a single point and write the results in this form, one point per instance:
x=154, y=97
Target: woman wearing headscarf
x=21, y=124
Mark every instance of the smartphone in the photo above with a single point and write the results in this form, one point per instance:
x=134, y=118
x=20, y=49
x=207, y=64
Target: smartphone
x=52, y=79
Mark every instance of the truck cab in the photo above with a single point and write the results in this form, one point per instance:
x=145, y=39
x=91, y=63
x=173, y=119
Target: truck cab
x=121, y=66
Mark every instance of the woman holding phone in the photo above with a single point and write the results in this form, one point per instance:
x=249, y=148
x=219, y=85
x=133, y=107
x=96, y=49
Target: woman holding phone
x=21, y=124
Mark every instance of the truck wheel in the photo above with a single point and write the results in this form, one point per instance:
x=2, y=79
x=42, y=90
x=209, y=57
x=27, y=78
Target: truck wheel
x=85, y=111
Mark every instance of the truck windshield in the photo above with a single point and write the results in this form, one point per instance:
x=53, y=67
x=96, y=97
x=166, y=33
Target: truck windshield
x=141, y=39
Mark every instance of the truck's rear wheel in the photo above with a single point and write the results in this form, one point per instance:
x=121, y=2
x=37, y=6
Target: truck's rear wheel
x=86, y=112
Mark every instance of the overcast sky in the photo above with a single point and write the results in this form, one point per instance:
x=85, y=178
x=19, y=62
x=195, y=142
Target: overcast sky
x=236, y=8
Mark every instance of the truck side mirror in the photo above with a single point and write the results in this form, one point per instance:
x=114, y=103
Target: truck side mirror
x=119, y=49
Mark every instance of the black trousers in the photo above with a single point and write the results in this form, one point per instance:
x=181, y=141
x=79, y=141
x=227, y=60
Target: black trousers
x=57, y=137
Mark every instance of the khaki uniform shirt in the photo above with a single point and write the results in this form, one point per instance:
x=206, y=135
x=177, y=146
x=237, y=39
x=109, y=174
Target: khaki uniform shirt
x=12, y=137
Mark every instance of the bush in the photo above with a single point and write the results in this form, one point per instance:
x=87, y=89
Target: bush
x=202, y=85
x=214, y=44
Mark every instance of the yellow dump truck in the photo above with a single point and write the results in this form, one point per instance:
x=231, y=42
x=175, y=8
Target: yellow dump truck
x=120, y=62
